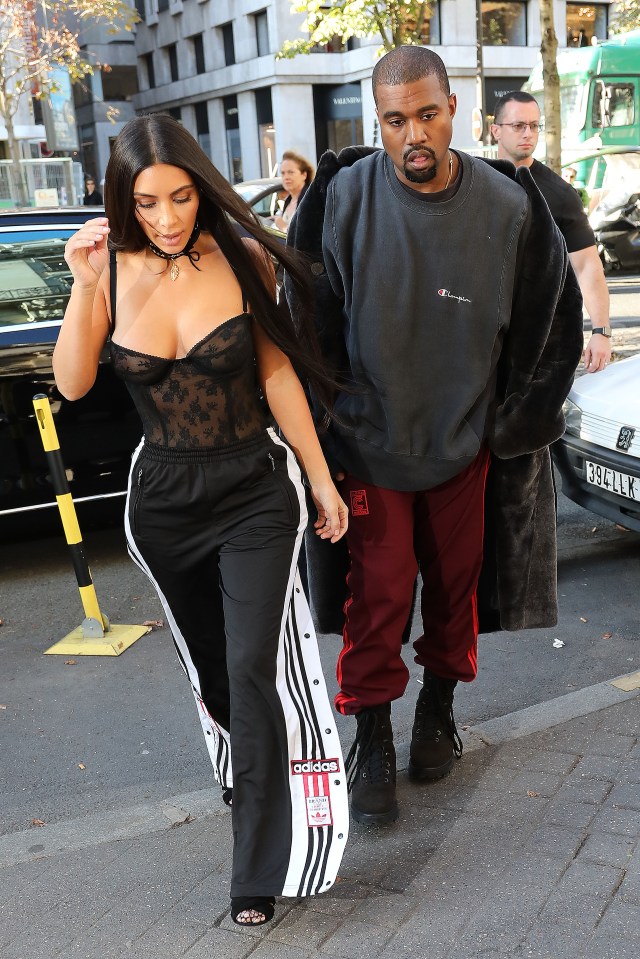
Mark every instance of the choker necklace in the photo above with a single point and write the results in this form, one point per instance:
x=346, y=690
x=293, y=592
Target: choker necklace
x=188, y=251
x=450, y=170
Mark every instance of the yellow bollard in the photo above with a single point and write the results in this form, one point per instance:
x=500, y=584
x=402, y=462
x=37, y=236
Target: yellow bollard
x=96, y=636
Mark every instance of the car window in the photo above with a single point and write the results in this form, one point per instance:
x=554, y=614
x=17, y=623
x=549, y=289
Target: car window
x=35, y=281
x=263, y=206
x=248, y=192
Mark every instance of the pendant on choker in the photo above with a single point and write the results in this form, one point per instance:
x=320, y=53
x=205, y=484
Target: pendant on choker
x=188, y=251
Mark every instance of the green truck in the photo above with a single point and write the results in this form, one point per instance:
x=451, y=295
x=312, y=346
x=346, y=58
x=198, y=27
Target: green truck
x=599, y=99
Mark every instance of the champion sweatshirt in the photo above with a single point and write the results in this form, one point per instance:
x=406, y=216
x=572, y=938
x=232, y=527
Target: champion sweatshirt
x=427, y=291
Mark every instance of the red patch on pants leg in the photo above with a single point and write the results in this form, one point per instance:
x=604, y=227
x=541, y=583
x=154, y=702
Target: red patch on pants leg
x=359, y=504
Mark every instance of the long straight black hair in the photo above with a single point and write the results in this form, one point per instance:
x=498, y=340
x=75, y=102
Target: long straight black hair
x=157, y=138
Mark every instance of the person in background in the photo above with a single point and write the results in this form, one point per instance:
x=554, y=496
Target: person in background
x=516, y=128
x=216, y=507
x=296, y=173
x=569, y=176
x=92, y=196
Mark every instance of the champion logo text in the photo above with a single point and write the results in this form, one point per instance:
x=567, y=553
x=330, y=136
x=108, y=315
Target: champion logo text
x=453, y=296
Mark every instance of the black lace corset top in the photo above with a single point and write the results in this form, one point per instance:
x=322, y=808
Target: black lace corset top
x=208, y=398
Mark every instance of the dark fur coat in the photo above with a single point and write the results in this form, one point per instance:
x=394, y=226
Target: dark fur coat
x=539, y=357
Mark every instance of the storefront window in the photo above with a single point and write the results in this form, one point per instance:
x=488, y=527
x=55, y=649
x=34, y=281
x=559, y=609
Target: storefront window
x=496, y=87
x=268, y=158
x=586, y=24
x=266, y=132
x=338, y=113
x=343, y=133
x=504, y=24
x=232, y=124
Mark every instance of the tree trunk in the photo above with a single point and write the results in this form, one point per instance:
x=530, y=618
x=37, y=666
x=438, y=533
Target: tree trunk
x=20, y=192
x=551, y=81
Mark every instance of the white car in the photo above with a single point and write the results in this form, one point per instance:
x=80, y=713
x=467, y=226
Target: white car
x=599, y=454
x=262, y=195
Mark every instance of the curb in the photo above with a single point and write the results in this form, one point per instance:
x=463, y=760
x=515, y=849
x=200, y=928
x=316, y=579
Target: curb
x=134, y=821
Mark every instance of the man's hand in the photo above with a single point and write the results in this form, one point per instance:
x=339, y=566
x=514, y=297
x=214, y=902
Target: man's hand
x=597, y=353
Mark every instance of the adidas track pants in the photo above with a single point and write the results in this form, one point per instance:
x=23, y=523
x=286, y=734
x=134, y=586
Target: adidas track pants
x=218, y=534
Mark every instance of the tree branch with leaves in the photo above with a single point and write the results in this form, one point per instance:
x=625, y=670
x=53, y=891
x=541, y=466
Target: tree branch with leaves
x=36, y=38
x=395, y=22
x=625, y=16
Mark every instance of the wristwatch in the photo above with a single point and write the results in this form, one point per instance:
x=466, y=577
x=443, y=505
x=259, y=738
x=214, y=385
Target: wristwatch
x=603, y=330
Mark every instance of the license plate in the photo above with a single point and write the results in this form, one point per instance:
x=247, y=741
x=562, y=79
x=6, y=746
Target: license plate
x=612, y=480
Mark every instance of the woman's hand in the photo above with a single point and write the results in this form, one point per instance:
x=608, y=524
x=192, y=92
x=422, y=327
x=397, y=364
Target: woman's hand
x=333, y=515
x=86, y=252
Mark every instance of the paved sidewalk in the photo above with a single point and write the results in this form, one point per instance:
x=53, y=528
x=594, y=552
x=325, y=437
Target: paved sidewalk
x=529, y=849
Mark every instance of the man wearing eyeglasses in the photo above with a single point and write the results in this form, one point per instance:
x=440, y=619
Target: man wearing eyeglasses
x=516, y=128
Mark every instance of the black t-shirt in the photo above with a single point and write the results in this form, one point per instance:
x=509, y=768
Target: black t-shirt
x=565, y=206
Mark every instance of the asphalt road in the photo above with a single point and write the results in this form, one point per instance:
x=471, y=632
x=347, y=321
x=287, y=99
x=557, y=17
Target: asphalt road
x=100, y=733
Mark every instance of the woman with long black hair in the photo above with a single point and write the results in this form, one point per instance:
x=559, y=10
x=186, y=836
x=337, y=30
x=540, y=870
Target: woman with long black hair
x=216, y=507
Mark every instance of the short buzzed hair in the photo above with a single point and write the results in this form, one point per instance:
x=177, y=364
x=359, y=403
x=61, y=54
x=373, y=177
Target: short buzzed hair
x=518, y=95
x=408, y=64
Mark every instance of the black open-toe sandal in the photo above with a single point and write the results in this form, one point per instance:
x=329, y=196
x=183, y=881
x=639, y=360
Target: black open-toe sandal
x=256, y=910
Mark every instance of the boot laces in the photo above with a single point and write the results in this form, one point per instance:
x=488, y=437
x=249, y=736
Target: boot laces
x=435, y=702
x=370, y=748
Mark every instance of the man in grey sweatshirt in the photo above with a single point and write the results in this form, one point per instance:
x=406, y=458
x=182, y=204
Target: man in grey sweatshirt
x=423, y=248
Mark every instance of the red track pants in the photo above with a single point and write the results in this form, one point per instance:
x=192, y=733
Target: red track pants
x=392, y=535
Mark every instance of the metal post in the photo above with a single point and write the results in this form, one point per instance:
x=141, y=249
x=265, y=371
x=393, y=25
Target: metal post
x=89, y=638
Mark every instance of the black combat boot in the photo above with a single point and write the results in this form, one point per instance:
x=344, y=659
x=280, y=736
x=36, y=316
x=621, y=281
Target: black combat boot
x=434, y=739
x=372, y=768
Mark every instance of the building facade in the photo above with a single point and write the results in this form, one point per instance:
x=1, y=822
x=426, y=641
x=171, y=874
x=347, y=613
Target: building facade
x=212, y=64
x=104, y=99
